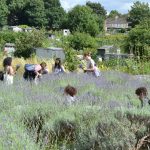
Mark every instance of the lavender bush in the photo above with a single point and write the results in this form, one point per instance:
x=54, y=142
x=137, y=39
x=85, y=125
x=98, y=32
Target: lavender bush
x=106, y=114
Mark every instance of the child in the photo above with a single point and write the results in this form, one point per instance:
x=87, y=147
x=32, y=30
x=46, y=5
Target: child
x=142, y=93
x=70, y=93
x=58, y=67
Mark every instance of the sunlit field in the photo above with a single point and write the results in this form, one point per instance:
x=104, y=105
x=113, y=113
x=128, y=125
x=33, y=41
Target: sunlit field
x=106, y=115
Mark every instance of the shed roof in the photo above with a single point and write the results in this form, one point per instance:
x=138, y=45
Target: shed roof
x=9, y=44
x=106, y=47
x=51, y=48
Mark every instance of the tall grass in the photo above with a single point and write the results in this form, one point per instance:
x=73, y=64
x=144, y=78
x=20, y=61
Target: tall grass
x=106, y=114
x=32, y=60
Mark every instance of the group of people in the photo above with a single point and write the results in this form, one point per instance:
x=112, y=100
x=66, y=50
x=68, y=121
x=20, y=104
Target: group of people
x=32, y=72
x=35, y=71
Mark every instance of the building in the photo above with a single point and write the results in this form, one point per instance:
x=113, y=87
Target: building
x=108, y=52
x=116, y=23
x=66, y=32
x=15, y=29
x=50, y=53
x=9, y=49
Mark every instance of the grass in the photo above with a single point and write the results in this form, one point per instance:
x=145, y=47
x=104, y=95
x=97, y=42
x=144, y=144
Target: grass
x=35, y=117
x=33, y=60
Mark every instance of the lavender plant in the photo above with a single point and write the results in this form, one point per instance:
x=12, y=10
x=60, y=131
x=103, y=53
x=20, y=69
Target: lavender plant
x=105, y=116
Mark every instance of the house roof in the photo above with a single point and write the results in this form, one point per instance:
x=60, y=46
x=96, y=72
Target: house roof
x=117, y=20
x=50, y=49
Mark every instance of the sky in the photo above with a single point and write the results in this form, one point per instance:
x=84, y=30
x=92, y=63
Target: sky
x=120, y=5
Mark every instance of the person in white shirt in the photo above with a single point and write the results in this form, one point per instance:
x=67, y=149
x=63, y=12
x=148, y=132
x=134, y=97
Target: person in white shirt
x=70, y=93
x=91, y=65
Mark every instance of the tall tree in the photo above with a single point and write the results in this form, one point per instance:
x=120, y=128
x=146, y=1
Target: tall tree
x=3, y=13
x=55, y=13
x=139, y=11
x=113, y=14
x=17, y=12
x=138, y=40
x=99, y=10
x=82, y=19
x=35, y=13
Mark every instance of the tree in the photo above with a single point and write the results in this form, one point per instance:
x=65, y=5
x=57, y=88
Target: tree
x=113, y=14
x=35, y=13
x=99, y=10
x=3, y=13
x=82, y=19
x=138, y=39
x=139, y=11
x=25, y=42
x=81, y=41
x=54, y=13
x=17, y=12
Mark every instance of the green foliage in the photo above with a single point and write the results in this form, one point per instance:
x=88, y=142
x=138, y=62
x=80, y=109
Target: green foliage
x=80, y=41
x=36, y=13
x=138, y=40
x=55, y=13
x=82, y=19
x=8, y=36
x=71, y=61
x=3, y=13
x=25, y=43
x=131, y=66
x=116, y=40
x=17, y=11
x=113, y=14
x=99, y=10
x=139, y=11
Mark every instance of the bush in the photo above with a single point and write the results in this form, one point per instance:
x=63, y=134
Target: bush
x=79, y=41
x=71, y=61
x=25, y=43
x=138, y=40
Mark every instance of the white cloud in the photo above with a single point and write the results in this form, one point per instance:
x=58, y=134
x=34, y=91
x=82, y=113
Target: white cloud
x=121, y=5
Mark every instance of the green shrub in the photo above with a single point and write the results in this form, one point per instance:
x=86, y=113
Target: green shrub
x=79, y=41
x=25, y=43
x=138, y=39
x=71, y=62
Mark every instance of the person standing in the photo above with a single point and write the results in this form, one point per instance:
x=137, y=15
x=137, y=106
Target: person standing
x=91, y=65
x=58, y=67
x=8, y=71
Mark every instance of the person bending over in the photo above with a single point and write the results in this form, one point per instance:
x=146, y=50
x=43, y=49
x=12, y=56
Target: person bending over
x=33, y=72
